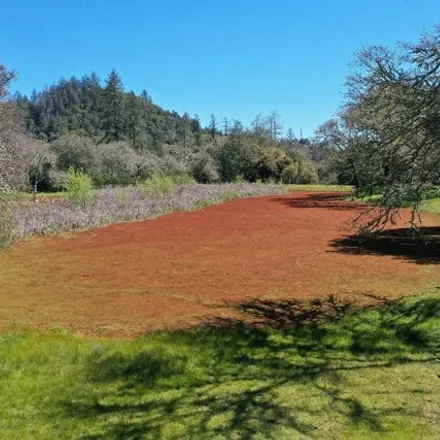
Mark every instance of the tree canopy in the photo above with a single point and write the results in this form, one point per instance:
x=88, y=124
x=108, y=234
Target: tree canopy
x=392, y=124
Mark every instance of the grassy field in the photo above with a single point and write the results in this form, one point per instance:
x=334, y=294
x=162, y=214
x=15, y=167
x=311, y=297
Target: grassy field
x=432, y=205
x=429, y=205
x=323, y=188
x=40, y=195
x=316, y=370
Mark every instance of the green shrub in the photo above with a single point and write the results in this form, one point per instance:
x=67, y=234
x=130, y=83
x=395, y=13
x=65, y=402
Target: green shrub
x=269, y=164
x=119, y=164
x=157, y=186
x=75, y=151
x=290, y=173
x=58, y=181
x=204, y=169
x=308, y=175
x=184, y=179
x=79, y=188
x=122, y=198
x=299, y=172
x=431, y=192
x=239, y=179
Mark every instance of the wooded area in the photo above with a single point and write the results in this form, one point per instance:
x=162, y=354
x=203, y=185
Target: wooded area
x=385, y=139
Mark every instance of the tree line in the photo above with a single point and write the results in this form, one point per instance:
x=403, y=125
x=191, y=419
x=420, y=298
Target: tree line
x=118, y=137
x=384, y=140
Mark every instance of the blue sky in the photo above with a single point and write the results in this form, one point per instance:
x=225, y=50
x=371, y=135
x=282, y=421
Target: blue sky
x=234, y=58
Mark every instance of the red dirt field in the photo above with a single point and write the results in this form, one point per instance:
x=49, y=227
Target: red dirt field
x=186, y=268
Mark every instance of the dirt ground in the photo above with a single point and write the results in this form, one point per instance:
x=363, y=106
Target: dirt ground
x=187, y=268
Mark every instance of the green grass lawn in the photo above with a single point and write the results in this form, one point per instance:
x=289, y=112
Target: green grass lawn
x=318, y=370
x=323, y=188
x=40, y=195
x=429, y=205
x=432, y=205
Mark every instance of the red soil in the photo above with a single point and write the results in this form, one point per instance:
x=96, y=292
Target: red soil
x=181, y=269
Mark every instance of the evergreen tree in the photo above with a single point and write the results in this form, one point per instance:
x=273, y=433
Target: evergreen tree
x=290, y=135
x=113, y=116
x=146, y=97
x=197, y=130
x=225, y=126
x=213, y=126
x=185, y=133
x=135, y=124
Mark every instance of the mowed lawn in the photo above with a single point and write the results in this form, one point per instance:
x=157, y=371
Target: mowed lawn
x=309, y=370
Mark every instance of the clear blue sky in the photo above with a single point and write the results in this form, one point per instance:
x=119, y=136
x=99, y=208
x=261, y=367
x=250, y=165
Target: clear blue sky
x=233, y=58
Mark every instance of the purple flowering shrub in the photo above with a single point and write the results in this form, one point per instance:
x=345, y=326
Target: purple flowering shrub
x=113, y=205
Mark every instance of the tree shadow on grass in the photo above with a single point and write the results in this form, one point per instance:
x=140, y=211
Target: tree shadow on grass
x=229, y=378
x=423, y=248
x=287, y=314
x=331, y=201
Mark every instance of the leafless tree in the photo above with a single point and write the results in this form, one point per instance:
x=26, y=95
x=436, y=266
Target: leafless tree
x=393, y=119
x=274, y=125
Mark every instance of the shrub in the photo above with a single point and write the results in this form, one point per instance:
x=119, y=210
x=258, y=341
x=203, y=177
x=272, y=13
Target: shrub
x=239, y=179
x=112, y=205
x=157, y=186
x=203, y=169
x=58, y=180
x=270, y=163
x=299, y=172
x=79, y=188
x=431, y=192
x=307, y=174
x=118, y=164
x=290, y=173
x=75, y=151
x=176, y=169
x=184, y=179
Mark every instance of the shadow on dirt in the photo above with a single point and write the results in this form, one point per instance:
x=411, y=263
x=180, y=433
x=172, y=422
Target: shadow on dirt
x=229, y=378
x=423, y=248
x=331, y=201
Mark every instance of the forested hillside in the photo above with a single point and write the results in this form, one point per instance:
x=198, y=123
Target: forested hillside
x=85, y=108
x=118, y=137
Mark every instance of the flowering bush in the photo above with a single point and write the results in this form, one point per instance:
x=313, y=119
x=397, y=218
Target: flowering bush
x=112, y=205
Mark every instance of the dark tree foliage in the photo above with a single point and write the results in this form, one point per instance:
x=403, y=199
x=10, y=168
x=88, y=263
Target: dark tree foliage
x=84, y=107
x=135, y=124
x=114, y=114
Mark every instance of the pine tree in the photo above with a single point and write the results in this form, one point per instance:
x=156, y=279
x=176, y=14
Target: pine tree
x=225, y=126
x=197, y=130
x=185, y=132
x=134, y=121
x=212, y=127
x=146, y=97
x=113, y=117
x=291, y=135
